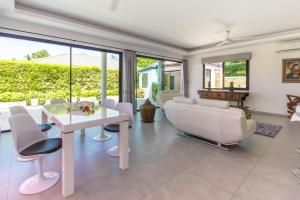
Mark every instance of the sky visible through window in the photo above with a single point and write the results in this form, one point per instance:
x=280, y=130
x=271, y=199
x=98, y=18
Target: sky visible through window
x=11, y=48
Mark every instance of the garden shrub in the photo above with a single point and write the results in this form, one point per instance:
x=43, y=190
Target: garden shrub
x=23, y=80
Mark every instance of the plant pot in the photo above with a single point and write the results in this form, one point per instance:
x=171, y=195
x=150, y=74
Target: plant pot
x=34, y=102
x=147, y=111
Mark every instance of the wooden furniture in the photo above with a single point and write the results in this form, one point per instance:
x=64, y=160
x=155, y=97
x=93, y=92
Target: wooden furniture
x=239, y=97
x=248, y=111
x=291, y=105
x=68, y=122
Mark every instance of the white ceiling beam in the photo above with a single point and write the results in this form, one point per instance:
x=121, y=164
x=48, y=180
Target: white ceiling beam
x=277, y=37
x=7, y=6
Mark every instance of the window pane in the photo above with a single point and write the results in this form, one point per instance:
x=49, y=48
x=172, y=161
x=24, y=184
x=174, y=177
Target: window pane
x=147, y=84
x=236, y=72
x=86, y=75
x=144, y=80
x=112, y=79
x=155, y=75
x=173, y=76
x=31, y=74
x=214, y=74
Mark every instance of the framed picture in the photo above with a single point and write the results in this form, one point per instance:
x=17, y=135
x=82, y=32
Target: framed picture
x=291, y=70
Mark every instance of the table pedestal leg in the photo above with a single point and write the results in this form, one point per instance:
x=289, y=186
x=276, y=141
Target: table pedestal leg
x=123, y=145
x=82, y=132
x=44, y=120
x=67, y=164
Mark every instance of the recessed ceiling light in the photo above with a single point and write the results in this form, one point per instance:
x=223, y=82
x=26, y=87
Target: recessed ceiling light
x=291, y=21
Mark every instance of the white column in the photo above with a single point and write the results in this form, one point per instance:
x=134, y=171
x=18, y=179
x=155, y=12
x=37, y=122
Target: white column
x=67, y=164
x=103, y=75
x=123, y=145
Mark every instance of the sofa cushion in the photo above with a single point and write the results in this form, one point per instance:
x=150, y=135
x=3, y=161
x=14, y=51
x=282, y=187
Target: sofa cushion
x=214, y=103
x=184, y=100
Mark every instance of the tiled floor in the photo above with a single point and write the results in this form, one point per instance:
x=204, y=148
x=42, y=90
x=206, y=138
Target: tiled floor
x=164, y=166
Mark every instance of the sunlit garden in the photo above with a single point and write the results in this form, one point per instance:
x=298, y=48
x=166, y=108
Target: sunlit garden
x=26, y=80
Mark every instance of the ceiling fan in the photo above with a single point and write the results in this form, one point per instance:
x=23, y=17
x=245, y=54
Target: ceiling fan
x=114, y=5
x=228, y=40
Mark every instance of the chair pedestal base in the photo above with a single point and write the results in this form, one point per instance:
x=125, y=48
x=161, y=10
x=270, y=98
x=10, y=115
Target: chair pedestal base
x=114, y=151
x=25, y=159
x=102, y=137
x=39, y=183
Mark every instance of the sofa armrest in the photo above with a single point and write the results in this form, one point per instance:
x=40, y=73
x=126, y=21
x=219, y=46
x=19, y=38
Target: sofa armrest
x=251, y=126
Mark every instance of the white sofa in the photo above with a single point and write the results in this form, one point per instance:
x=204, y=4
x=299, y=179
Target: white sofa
x=211, y=119
x=165, y=96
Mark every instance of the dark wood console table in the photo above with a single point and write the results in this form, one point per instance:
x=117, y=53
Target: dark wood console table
x=239, y=97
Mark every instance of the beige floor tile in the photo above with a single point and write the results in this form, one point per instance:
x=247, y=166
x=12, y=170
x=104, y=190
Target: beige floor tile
x=258, y=187
x=190, y=187
x=165, y=166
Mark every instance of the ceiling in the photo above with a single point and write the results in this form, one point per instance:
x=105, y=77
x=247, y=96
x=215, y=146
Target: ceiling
x=187, y=25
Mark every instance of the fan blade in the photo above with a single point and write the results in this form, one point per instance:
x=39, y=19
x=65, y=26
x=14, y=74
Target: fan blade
x=243, y=38
x=114, y=5
x=220, y=44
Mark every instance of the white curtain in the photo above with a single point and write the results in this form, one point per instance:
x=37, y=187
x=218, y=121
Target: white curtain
x=185, y=78
x=129, y=78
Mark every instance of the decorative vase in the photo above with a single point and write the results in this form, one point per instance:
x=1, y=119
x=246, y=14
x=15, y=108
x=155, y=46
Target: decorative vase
x=231, y=88
x=147, y=111
x=209, y=85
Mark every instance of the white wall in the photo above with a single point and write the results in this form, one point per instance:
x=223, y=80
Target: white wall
x=267, y=92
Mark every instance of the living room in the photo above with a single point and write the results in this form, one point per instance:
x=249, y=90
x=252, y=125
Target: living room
x=149, y=100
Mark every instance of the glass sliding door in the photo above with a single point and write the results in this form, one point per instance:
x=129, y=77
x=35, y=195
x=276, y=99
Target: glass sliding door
x=155, y=76
x=147, y=83
x=89, y=69
x=86, y=75
x=113, y=76
x=32, y=73
x=172, y=76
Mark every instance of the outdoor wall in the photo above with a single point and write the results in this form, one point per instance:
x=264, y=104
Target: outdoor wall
x=267, y=92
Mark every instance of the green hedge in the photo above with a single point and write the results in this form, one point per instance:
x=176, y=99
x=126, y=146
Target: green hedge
x=24, y=80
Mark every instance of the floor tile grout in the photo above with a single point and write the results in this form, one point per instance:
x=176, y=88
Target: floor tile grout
x=168, y=180
x=252, y=168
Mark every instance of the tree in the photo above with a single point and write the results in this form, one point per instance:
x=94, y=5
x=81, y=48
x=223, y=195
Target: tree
x=27, y=57
x=145, y=62
x=40, y=54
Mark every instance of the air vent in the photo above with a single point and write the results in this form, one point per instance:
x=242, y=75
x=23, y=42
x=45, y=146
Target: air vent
x=288, y=46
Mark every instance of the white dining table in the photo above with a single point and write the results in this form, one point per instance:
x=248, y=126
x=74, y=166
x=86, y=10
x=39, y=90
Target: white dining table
x=69, y=121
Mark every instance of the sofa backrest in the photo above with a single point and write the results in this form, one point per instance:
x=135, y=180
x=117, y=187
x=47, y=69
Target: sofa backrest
x=164, y=96
x=213, y=123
